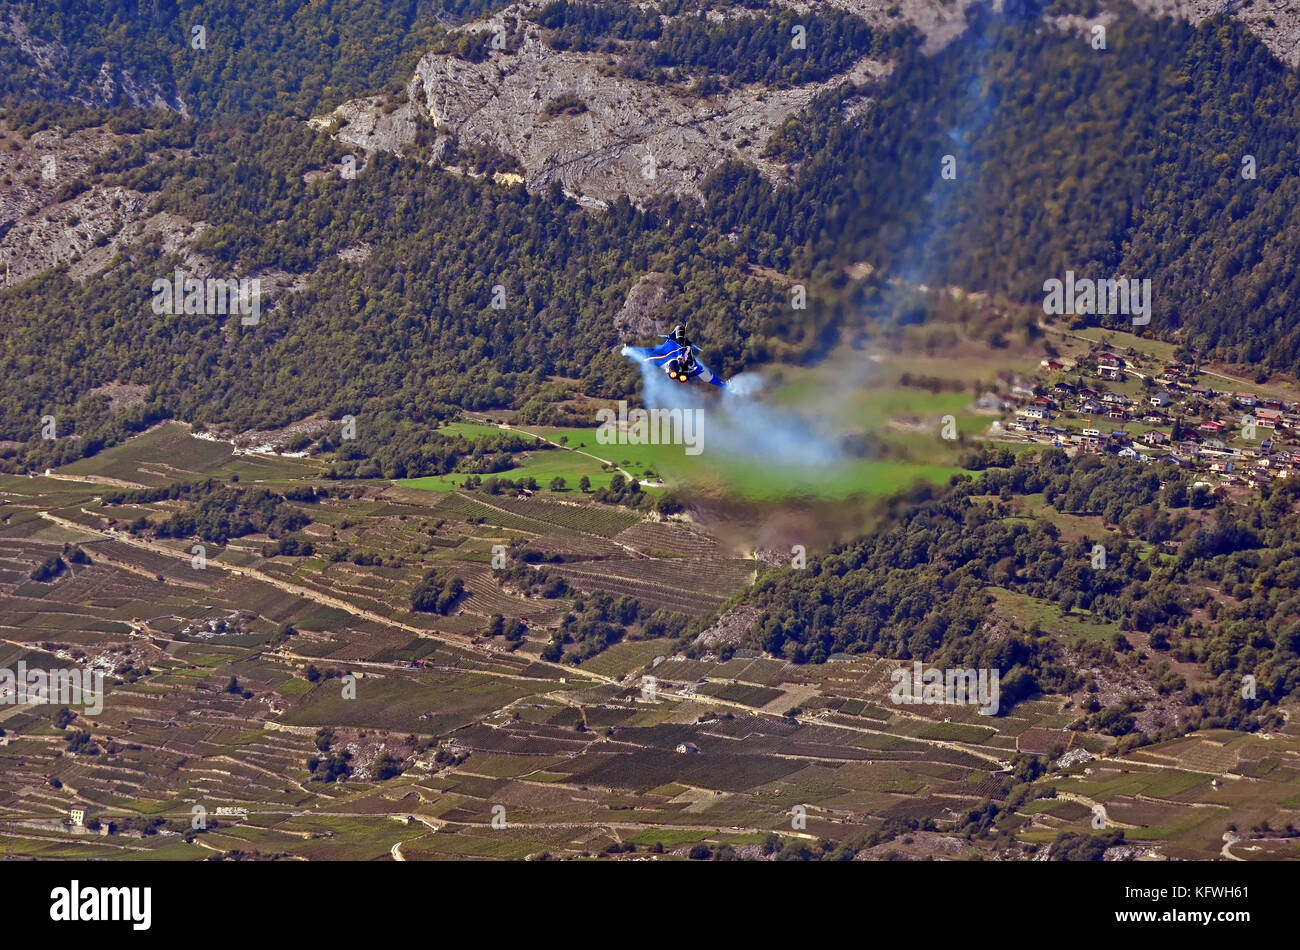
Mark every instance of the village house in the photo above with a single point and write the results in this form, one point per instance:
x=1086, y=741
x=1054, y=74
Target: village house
x=1154, y=437
x=1268, y=418
x=1160, y=400
x=1245, y=399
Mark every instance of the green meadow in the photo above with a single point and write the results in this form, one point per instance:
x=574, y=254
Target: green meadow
x=542, y=464
x=755, y=480
x=902, y=424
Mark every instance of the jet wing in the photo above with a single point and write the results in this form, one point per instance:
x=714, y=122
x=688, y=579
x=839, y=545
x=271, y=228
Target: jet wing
x=704, y=374
x=668, y=350
x=659, y=355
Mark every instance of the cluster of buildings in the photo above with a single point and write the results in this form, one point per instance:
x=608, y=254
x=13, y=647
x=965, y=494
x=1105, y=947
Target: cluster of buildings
x=1240, y=438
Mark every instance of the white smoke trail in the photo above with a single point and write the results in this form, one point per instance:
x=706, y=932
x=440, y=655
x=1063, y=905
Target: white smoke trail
x=739, y=423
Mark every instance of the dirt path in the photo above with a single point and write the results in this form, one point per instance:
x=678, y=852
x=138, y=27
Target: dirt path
x=1094, y=806
x=1226, y=851
x=568, y=448
x=307, y=593
x=999, y=760
x=100, y=480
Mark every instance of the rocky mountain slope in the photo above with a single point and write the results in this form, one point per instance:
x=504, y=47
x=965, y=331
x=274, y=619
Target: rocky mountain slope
x=618, y=136
x=573, y=117
x=47, y=217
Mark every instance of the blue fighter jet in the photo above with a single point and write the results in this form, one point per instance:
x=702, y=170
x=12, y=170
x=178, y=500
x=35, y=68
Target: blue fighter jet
x=676, y=355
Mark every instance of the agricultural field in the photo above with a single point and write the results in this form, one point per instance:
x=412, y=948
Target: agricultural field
x=170, y=452
x=301, y=707
x=770, y=481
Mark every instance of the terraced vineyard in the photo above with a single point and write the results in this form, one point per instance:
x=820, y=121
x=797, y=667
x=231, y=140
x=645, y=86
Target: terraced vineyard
x=201, y=715
x=695, y=587
x=471, y=510
x=589, y=518
x=661, y=538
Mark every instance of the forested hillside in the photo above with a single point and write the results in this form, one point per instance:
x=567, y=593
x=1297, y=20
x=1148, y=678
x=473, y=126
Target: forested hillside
x=409, y=332
x=1067, y=158
x=920, y=588
x=277, y=56
x=1124, y=161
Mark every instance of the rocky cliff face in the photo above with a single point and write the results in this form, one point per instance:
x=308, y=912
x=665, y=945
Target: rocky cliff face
x=365, y=124
x=620, y=137
x=634, y=318
x=45, y=220
x=566, y=117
